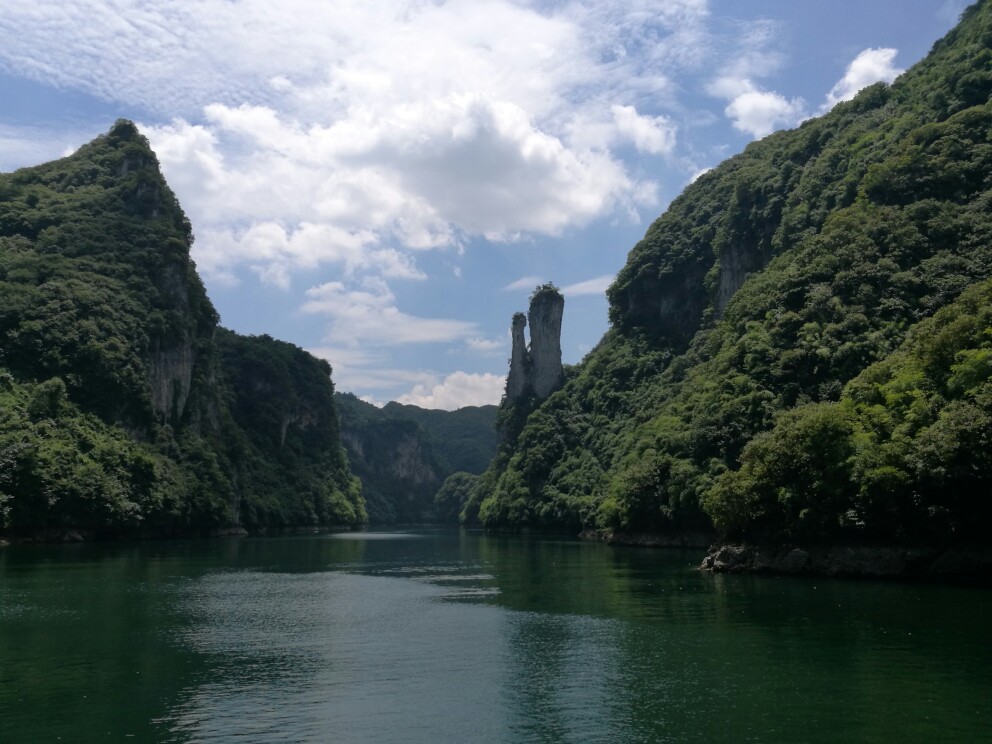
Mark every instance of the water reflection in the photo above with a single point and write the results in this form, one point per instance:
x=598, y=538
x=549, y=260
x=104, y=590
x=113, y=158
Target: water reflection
x=452, y=636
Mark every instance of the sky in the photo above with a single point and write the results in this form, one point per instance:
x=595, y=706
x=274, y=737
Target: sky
x=385, y=183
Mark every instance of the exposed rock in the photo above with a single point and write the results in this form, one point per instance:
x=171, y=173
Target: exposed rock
x=546, y=374
x=516, y=380
x=848, y=560
x=537, y=370
x=728, y=558
x=734, y=266
x=170, y=375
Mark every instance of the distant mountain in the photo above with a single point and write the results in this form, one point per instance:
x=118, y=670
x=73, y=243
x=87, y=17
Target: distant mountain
x=124, y=409
x=464, y=439
x=779, y=365
x=403, y=454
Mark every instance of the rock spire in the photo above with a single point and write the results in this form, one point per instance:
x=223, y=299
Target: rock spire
x=537, y=370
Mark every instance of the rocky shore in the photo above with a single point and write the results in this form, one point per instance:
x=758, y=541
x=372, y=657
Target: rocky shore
x=853, y=561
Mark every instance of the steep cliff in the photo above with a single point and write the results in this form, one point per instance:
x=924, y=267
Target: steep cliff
x=106, y=337
x=769, y=285
x=518, y=378
x=544, y=317
x=536, y=370
x=404, y=453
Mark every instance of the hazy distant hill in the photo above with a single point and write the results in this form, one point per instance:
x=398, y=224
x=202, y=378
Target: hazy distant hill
x=404, y=453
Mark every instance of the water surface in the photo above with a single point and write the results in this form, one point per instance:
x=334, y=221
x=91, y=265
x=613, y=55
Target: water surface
x=437, y=636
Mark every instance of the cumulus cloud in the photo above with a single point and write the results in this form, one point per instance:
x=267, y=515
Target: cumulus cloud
x=354, y=369
x=406, y=124
x=869, y=67
x=756, y=111
x=457, y=390
x=761, y=112
x=368, y=315
x=650, y=134
x=595, y=286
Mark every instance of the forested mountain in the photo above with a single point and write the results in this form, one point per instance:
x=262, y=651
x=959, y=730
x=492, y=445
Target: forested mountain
x=464, y=439
x=779, y=363
x=123, y=408
x=403, y=454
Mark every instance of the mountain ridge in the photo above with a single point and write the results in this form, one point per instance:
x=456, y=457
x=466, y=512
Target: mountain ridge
x=769, y=285
x=119, y=411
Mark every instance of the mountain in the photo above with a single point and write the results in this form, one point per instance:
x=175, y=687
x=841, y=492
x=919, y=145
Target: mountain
x=124, y=409
x=786, y=360
x=464, y=439
x=403, y=454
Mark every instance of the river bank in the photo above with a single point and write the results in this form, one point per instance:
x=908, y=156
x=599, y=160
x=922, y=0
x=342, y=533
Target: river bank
x=940, y=564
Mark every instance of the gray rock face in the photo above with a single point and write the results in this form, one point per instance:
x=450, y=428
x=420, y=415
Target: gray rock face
x=537, y=370
x=851, y=560
x=516, y=380
x=546, y=374
x=170, y=377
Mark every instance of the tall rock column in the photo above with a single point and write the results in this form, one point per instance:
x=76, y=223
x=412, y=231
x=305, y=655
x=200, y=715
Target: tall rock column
x=516, y=380
x=546, y=308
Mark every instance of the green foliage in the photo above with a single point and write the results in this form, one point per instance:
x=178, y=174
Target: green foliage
x=292, y=468
x=403, y=453
x=453, y=495
x=463, y=440
x=747, y=319
x=121, y=412
x=548, y=288
x=62, y=468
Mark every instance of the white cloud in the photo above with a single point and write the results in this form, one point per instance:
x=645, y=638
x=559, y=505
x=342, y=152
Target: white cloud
x=650, y=134
x=364, y=369
x=751, y=108
x=369, y=370
x=457, y=390
x=485, y=346
x=755, y=111
x=405, y=125
x=761, y=112
x=595, y=286
x=524, y=282
x=869, y=67
x=369, y=316
x=697, y=173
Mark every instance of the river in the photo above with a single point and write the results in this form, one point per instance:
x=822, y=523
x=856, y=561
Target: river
x=455, y=636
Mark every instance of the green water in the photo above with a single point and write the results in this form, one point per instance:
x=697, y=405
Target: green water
x=441, y=636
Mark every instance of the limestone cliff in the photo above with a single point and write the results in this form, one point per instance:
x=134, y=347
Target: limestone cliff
x=403, y=453
x=546, y=373
x=770, y=369
x=160, y=421
x=516, y=380
x=537, y=370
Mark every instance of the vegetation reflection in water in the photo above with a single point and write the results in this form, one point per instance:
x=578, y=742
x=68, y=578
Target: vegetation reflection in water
x=455, y=636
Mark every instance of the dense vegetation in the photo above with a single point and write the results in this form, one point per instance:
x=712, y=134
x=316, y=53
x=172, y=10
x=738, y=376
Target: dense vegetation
x=403, y=454
x=123, y=409
x=772, y=365
x=464, y=440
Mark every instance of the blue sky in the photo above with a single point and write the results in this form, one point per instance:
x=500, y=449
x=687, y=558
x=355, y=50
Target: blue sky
x=384, y=183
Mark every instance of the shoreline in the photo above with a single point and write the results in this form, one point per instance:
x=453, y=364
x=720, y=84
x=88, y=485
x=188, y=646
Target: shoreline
x=972, y=564
x=853, y=561
x=81, y=535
